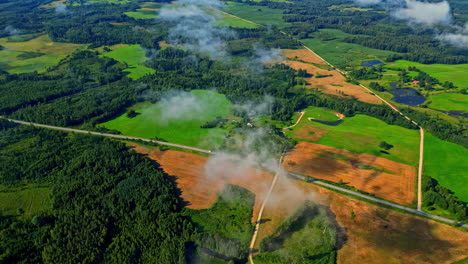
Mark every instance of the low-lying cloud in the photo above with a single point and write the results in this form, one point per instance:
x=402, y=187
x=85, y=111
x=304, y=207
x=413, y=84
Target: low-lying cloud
x=11, y=31
x=195, y=28
x=427, y=14
x=61, y=8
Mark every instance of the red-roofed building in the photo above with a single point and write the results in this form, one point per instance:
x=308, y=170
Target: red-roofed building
x=416, y=82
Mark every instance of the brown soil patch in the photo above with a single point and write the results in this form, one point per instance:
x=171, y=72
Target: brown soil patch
x=152, y=9
x=384, y=178
x=303, y=54
x=334, y=84
x=164, y=44
x=376, y=235
x=199, y=190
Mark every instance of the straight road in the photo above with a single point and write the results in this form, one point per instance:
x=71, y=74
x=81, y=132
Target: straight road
x=106, y=135
x=377, y=200
x=293, y=175
x=420, y=169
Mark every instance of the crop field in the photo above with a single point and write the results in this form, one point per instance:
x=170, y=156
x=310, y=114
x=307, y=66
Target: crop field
x=366, y=130
x=334, y=84
x=143, y=13
x=340, y=53
x=373, y=233
x=163, y=120
x=36, y=54
x=384, y=178
x=232, y=21
x=133, y=55
x=455, y=73
x=449, y=102
x=259, y=14
x=447, y=163
x=199, y=188
x=30, y=199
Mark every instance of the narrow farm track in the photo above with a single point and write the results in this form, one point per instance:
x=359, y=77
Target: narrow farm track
x=260, y=213
x=293, y=175
x=297, y=122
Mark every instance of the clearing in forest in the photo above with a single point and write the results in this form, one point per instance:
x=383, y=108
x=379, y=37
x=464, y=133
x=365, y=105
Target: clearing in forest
x=381, y=177
x=199, y=189
x=133, y=56
x=324, y=79
x=178, y=119
x=28, y=53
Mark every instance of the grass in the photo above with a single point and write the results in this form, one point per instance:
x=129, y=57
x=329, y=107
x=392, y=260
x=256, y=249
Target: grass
x=133, y=56
x=142, y=14
x=16, y=55
x=455, y=73
x=184, y=128
x=230, y=21
x=31, y=199
x=447, y=163
x=449, y=102
x=319, y=113
x=340, y=53
x=259, y=14
x=363, y=134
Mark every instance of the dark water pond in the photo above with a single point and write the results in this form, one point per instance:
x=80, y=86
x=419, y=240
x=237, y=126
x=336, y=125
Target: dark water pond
x=328, y=123
x=407, y=96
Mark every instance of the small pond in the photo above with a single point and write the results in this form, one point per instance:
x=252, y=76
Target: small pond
x=407, y=96
x=328, y=123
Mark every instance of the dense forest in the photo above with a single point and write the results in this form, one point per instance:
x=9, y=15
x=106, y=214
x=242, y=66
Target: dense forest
x=108, y=204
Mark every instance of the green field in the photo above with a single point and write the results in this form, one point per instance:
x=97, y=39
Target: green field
x=36, y=54
x=449, y=102
x=447, y=163
x=185, y=128
x=133, y=56
x=259, y=14
x=142, y=14
x=368, y=132
x=340, y=53
x=30, y=199
x=456, y=73
x=229, y=21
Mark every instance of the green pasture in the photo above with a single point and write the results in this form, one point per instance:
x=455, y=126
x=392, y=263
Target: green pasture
x=259, y=14
x=142, y=14
x=133, y=56
x=340, y=53
x=29, y=53
x=230, y=21
x=363, y=134
x=449, y=102
x=184, y=128
x=456, y=73
x=30, y=199
x=447, y=163
x=151, y=5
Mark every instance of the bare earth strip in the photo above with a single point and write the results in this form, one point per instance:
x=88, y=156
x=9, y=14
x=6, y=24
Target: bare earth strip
x=334, y=84
x=384, y=178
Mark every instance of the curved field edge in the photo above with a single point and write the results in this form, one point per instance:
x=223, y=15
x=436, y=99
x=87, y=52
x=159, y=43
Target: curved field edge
x=361, y=134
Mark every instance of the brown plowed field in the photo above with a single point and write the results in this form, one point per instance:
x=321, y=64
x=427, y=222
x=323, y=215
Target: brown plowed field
x=384, y=178
x=376, y=235
x=200, y=190
x=334, y=84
